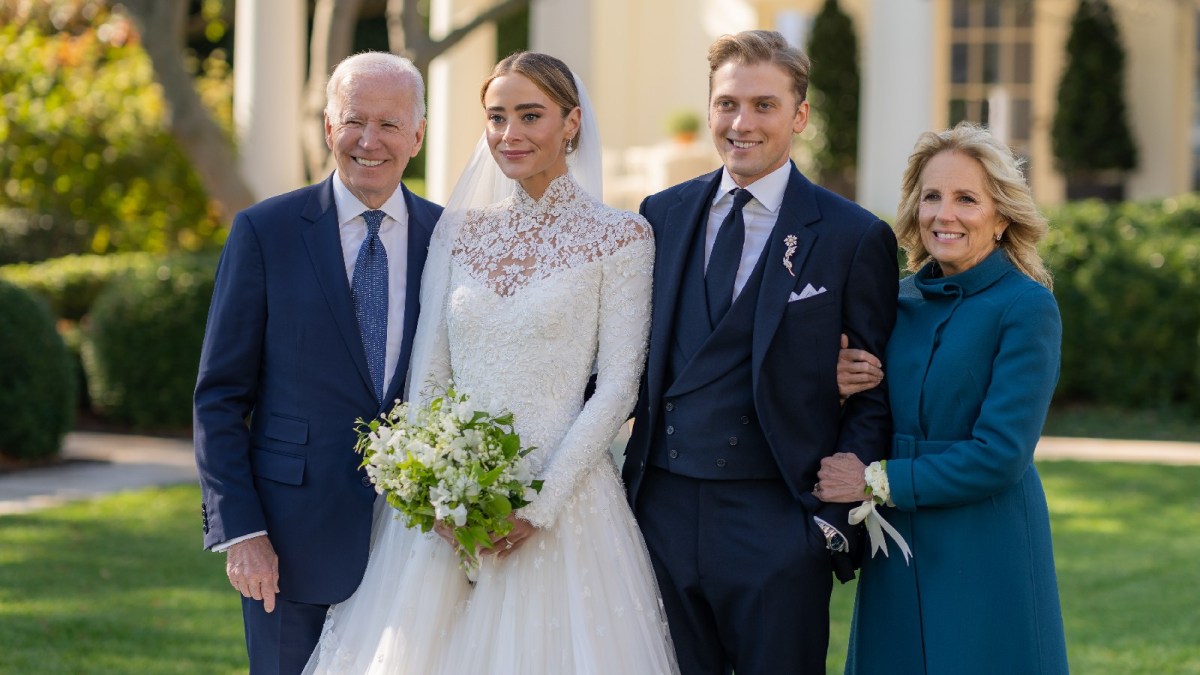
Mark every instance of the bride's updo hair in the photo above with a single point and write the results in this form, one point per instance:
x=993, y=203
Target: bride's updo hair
x=547, y=73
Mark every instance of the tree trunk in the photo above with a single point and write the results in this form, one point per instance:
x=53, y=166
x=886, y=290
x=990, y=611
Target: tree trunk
x=161, y=25
x=408, y=36
x=332, y=40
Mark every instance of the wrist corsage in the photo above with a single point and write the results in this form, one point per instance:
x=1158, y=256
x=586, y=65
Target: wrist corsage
x=878, y=493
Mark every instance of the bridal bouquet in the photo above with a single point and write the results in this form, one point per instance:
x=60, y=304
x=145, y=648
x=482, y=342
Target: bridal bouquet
x=452, y=463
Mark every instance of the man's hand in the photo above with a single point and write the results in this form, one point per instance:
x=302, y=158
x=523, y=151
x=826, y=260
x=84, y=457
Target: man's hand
x=857, y=370
x=253, y=569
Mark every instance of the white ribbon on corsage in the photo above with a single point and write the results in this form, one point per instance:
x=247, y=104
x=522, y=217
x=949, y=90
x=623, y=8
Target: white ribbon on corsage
x=876, y=527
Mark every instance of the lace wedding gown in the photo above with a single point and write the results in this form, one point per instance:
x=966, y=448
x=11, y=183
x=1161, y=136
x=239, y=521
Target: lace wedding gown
x=540, y=292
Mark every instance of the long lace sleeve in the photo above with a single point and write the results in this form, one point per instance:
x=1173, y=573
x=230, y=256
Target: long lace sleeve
x=624, y=324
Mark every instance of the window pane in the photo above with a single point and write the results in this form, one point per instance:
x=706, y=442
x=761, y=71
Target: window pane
x=958, y=111
x=991, y=13
x=958, y=63
x=961, y=13
x=991, y=63
x=1024, y=14
x=1020, y=124
x=1022, y=63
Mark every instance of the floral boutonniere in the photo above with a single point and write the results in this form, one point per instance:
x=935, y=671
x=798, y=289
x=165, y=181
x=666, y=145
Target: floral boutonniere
x=790, y=242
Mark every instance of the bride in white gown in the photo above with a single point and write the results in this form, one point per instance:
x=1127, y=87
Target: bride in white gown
x=530, y=285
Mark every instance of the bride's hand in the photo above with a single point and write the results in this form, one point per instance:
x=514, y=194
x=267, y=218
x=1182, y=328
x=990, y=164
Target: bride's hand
x=507, y=545
x=446, y=533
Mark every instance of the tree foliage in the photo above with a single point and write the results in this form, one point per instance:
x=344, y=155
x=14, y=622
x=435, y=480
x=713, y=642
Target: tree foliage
x=833, y=48
x=1091, y=129
x=88, y=165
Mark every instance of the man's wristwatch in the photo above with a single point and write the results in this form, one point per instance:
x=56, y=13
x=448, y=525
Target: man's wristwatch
x=834, y=541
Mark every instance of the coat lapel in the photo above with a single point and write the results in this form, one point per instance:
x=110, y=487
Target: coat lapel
x=798, y=211
x=324, y=243
x=674, y=237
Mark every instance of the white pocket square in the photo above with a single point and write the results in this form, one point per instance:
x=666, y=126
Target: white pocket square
x=807, y=292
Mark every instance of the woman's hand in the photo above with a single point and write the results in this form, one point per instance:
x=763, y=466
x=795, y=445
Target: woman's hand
x=505, y=546
x=857, y=370
x=841, y=479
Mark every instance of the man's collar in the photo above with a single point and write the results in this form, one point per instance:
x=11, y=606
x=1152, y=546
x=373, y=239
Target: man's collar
x=768, y=190
x=350, y=207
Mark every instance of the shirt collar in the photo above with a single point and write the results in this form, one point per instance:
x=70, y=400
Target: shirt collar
x=767, y=190
x=349, y=207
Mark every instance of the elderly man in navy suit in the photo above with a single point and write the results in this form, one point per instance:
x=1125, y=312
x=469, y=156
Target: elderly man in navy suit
x=757, y=275
x=310, y=328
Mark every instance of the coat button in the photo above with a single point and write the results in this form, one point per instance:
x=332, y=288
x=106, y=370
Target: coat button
x=745, y=420
x=670, y=406
x=670, y=430
x=674, y=454
x=721, y=463
x=366, y=481
x=733, y=440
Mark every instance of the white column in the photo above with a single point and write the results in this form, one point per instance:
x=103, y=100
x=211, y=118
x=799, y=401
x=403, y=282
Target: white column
x=563, y=28
x=268, y=80
x=897, y=96
x=455, y=113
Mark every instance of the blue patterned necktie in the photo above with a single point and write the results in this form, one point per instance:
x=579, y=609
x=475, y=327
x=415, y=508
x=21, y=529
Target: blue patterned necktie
x=725, y=258
x=369, y=288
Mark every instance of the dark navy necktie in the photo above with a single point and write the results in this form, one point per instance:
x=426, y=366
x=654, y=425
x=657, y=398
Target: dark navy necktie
x=725, y=258
x=369, y=287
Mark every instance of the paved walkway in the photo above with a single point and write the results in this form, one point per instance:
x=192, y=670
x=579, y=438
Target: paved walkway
x=98, y=464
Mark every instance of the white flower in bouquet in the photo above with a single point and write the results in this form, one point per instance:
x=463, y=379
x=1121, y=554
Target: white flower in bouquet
x=452, y=463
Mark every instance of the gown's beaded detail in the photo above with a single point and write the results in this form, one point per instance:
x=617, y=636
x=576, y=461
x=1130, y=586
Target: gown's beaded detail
x=541, y=293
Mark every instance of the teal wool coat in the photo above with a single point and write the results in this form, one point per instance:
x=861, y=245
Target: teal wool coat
x=972, y=364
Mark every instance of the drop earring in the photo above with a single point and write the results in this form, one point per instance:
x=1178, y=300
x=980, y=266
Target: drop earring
x=570, y=145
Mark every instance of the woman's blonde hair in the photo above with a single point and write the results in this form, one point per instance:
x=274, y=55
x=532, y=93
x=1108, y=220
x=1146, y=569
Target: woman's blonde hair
x=1005, y=183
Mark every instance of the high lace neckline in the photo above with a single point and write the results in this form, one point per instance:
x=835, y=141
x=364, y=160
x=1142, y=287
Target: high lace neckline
x=520, y=240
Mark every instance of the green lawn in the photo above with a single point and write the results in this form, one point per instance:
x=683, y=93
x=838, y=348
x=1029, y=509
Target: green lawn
x=119, y=585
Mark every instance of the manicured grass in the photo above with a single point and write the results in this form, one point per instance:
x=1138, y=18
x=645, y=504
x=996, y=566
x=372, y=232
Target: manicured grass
x=1126, y=545
x=119, y=585
x=116, y=585
x=1091, y=421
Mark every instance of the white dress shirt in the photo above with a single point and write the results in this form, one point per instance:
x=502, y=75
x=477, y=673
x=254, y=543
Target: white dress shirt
x=759, y=214
x=394, y=234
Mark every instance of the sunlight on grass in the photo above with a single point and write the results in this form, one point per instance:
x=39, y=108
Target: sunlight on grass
x=120, y=585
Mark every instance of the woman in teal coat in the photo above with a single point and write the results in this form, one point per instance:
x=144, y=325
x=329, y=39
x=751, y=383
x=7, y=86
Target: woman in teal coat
x=972, y=364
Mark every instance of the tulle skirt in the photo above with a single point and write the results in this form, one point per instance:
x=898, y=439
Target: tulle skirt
x=576, y=598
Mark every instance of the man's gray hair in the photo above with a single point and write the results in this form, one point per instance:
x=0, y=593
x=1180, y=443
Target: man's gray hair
x=374, y=63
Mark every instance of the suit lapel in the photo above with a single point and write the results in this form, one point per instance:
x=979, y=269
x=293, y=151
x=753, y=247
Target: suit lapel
x=682, y=223
x=798, y=211
x=324, y=243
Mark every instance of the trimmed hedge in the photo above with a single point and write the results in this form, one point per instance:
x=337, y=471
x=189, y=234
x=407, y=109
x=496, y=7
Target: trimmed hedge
x=1127, y=280
x=37, y=394
x=71, y=283
x=141, y=345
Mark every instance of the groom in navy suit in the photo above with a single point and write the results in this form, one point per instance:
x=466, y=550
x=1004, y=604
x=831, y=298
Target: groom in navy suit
x=757, y=275
x=310, y=328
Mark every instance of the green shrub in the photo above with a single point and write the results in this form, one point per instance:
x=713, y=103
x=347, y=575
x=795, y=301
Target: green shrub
x=141, y=346
x=1127, y=280
x=71, y=283
x=36, y=396
x=87, y=163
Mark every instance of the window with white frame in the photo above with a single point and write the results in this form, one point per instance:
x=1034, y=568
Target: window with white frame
x=991, y=67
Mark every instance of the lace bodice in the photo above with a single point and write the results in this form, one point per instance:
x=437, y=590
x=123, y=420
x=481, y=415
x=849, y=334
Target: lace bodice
x=540, y=292
x=521, y=240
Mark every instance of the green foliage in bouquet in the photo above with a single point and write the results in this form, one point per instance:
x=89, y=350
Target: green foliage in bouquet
x=141, y=347
x=39, y=382
x=450, y=464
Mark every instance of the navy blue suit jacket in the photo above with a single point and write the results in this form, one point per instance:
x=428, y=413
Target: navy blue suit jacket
x=283, y=377
x=839, y=246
